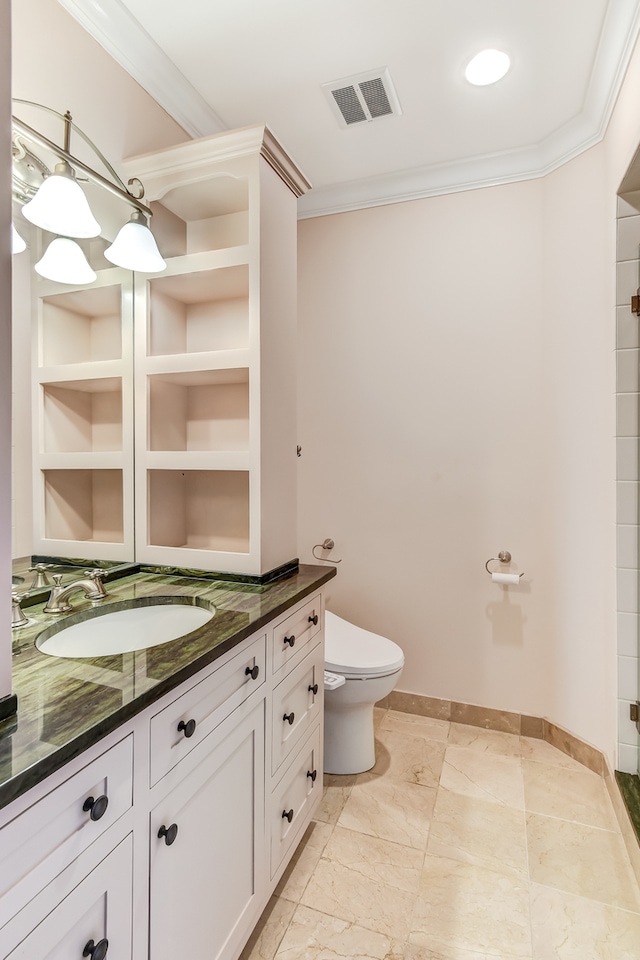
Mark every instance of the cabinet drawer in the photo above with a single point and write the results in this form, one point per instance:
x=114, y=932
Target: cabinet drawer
x=296, y=706
x=294, y=798
x=292, y=636
x=40, y=842
x=178, y=728
x=99, y=908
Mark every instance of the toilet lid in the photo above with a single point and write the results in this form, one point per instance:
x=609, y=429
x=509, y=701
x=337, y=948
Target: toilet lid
x=355, y=652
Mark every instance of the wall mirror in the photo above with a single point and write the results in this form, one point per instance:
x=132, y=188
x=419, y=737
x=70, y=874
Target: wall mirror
x=72, y=355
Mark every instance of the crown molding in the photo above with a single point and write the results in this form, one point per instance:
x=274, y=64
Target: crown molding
x=194, y=160
x=122, y=36
x=278, y=158
x=490, y=170
x=111, y=24
x=617, y=42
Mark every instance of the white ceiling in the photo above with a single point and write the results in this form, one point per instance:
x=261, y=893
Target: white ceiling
x=221, y=64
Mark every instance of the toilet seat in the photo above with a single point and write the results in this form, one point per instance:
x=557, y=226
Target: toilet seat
x=358, y=654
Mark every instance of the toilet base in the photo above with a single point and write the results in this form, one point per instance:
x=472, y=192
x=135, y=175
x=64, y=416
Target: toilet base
x=349, y=742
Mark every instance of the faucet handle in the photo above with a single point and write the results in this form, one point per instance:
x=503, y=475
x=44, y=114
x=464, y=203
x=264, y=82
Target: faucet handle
x=41, y=579
x=18, y=618
x=98, y=592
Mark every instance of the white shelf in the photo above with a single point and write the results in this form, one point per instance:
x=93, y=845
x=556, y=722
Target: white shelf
x=81, y=326
x=91, y=370
x=83, y=505
x=203, y=216
x=199, y=509
x=199, y=410
x=202, y=311
x=81, y=461
x=197, y=460
x=194, y=362
x=82, y=415
x=207, y=260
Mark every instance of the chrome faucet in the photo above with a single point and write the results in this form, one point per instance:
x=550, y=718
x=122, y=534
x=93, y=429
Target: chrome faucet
x=92, y=586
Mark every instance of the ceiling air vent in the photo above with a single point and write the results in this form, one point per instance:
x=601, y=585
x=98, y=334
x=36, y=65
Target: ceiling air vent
x=365, y=97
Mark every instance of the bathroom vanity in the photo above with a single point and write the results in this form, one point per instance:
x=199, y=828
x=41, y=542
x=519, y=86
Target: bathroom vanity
x=151, y=800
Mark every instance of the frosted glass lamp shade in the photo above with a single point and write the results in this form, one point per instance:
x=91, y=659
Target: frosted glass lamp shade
x=17, y=243
x=60, y=206
x=64, y=262
x=135, y=247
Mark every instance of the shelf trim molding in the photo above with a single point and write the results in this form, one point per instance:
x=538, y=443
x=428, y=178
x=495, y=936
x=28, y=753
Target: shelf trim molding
x=191, y=161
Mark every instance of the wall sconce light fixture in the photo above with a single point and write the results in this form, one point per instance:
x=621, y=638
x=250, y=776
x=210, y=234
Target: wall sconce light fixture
x=17, y=242
x=55, y=202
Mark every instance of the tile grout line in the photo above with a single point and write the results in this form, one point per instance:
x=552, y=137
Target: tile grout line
x=428, y=827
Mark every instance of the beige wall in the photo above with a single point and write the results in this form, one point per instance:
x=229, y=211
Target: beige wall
x=456, y=399
x=421, y=380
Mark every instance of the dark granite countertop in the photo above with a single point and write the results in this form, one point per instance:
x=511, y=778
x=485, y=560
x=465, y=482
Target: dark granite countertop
x=67, y=705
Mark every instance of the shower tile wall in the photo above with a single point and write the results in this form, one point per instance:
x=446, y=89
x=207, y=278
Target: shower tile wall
x=627, y=474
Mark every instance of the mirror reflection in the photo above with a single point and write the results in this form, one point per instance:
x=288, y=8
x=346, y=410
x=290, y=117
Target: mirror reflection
x=72, y=321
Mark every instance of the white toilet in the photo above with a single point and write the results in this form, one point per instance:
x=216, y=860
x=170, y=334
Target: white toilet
x=371, y=666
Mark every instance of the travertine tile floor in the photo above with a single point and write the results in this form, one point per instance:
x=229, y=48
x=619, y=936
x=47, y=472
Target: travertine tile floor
x=460, y=844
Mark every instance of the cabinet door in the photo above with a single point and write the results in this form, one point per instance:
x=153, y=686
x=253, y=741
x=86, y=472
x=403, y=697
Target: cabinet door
x=98, y=909
x=206, y=883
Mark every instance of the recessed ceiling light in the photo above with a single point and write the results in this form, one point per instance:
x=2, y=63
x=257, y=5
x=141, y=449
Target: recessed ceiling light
x=487, y=67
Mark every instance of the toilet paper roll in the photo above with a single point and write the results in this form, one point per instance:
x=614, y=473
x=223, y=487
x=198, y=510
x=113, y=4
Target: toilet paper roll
x=505, y=578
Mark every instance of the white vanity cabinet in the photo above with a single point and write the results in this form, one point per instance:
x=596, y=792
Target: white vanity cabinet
x=208, y=791
x=296, y=727
x=207, y=846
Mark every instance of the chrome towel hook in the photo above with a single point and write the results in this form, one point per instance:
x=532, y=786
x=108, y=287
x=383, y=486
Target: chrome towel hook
x=327, y=544
x=503, y=557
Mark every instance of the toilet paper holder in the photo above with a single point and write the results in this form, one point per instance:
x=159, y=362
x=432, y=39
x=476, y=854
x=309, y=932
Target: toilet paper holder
x=327, y=544
x=503, y=557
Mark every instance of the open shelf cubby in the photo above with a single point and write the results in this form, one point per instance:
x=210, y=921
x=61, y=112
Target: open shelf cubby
x=199, y=509
x=81, y=326
x=203, y=216
x=83, y=505
x=199, y=410
x=82, y=416
x=198, y=312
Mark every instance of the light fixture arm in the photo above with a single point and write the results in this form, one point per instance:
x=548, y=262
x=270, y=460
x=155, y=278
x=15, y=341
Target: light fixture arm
x=67, y=131
x=118, y=188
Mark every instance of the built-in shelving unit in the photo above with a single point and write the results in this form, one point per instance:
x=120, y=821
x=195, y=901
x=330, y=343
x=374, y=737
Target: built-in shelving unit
x=83, y=412
x=204, y=379
x=214, y=361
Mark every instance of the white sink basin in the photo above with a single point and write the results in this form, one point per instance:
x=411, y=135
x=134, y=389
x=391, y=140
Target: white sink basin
x=125, y=626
